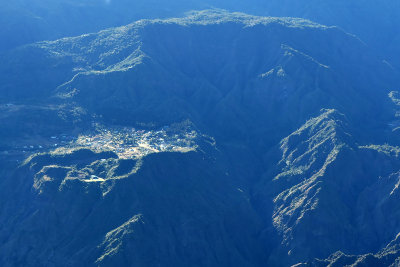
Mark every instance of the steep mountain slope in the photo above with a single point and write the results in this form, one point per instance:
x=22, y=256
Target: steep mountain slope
x=388, y=256
x=329, y=193
x=158, y=214
x=374, y=22
x=283, y=113
x=179, y=68
x=24, y=21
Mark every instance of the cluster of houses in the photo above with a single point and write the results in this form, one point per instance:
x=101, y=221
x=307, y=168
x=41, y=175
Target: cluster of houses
x=131, y=143
x=128, y=143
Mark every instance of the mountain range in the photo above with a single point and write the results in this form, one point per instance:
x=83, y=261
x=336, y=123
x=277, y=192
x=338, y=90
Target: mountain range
x=295, y=161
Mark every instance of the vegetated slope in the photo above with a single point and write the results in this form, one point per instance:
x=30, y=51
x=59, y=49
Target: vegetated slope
x=37, y=20
x=271, y=192
x=24, y=21
x=170, y=209
x=329, y=193
x=166, y=70
x=31, y=21
x=388, y=256
x=374, y=22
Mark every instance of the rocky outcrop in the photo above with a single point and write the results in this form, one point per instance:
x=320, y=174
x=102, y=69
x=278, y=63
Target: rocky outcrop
x=328, y=193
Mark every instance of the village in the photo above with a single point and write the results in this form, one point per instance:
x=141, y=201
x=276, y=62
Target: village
x=130, y=143
x=126, y=142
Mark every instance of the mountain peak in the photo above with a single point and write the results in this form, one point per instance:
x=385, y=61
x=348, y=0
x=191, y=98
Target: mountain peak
x=217, y=16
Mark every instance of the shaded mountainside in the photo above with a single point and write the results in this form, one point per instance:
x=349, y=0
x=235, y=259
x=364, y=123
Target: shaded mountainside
x=154, y=212
x=215, y=68
x=389, y=256
x=27, y=21
x=374, y=22
x=290, y=167
x=330, y=193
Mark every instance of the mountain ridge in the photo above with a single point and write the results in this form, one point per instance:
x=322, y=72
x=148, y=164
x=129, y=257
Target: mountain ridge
x=239, y=139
